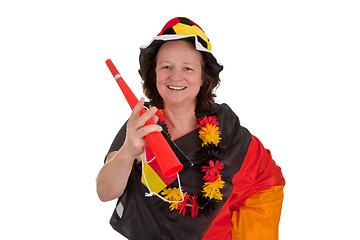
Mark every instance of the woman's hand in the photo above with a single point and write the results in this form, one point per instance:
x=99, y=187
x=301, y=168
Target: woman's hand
x=136, y=131
x=113, y=176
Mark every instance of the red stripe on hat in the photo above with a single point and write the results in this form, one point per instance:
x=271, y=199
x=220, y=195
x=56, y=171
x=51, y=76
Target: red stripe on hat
x=169, y=24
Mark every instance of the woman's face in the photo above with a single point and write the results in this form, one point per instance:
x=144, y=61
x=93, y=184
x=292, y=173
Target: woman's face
x=178, y=73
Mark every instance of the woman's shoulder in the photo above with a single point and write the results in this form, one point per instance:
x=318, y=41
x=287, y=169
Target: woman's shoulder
x=221, y=106
x=224, y=112
x=229, y=123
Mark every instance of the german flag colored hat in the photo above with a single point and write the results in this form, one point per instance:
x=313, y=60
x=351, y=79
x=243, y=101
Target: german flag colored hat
x=176, y=29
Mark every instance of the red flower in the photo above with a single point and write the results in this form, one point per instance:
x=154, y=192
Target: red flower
x=182, y=205
x=194, y=210
x=211, y=178
x=212, y=120
x=213, y=169
x=161, y=116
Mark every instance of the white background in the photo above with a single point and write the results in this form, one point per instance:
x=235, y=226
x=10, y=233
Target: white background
x=290, y=74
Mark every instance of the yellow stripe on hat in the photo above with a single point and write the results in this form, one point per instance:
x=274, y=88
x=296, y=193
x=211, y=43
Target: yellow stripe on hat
x=184, y=29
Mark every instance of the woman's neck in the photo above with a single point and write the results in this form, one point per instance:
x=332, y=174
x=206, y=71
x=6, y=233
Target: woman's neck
x=181, y=120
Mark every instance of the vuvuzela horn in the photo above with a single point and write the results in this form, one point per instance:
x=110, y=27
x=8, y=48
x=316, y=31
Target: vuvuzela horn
x=166, y=158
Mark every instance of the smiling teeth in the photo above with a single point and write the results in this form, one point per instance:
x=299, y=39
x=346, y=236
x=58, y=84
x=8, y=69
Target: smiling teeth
x=176, y=88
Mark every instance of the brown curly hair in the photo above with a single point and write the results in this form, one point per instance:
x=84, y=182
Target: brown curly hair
x=206, y=96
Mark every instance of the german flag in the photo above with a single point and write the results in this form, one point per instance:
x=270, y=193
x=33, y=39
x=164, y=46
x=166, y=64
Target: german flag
x=152, y=176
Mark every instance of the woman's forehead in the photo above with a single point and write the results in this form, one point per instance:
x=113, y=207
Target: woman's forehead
x=179, y=49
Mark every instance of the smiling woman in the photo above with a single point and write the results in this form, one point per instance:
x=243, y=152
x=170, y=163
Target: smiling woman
x=233, y=190
x=178, y=74
x=186, y=30
x=178, y=81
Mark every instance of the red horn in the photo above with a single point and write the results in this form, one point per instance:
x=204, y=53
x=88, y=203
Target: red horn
x=166, y=158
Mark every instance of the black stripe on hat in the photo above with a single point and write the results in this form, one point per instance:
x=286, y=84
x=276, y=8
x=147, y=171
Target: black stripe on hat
x=185, y=21
x=169, y=31
x=202, y=42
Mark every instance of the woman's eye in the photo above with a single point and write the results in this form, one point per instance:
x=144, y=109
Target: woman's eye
x=188, y=68
x=166, y=67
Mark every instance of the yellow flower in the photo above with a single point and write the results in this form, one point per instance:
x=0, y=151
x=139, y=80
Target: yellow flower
x=171, y=194
x=209, y=134
x=173, y=206
x=212, y=189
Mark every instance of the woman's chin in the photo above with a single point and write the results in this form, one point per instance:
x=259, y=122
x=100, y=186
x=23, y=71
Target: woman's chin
x=176, y=102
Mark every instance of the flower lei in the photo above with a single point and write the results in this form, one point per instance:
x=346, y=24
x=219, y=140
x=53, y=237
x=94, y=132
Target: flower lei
x=209, y=133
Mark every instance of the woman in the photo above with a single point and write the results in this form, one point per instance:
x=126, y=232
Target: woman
x=234, y=188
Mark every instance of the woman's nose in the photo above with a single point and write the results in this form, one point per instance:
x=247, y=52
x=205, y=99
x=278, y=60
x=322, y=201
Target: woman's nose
x=176, y=74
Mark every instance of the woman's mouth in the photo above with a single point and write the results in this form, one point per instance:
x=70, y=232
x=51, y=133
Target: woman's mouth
x=176, y=88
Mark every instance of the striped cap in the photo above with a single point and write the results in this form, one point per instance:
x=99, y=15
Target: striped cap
x=176, y=29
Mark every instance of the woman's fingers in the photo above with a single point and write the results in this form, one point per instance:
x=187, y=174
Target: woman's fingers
x=145, y=130
x=146, y=116
x=136, y=131
x=149, y=129
x=138, y=121
x=155, y=118
x=136, y=111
